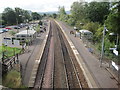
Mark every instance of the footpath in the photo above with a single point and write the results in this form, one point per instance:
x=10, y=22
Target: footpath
x=100, y=75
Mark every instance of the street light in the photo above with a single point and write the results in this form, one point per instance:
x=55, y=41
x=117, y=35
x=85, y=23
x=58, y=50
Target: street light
x=17, y=22
x=102, y=50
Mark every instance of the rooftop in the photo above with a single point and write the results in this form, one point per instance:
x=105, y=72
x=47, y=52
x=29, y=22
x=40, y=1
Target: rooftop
x=25, y=32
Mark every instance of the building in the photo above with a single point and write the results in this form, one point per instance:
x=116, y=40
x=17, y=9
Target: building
x=26, y=35
x=86, y=34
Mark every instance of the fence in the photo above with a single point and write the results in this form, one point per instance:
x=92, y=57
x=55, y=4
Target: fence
x=8, y=64
x=106, y=61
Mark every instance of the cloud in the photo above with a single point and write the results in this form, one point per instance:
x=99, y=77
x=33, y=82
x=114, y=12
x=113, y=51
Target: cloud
x=36, y=5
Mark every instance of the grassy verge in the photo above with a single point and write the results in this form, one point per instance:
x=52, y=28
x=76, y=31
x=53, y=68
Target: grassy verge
x=9, y=51
x=12, y=80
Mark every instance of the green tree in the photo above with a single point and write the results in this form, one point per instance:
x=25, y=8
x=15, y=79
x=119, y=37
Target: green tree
x=62, y=13
x=54, y=15
x=113, y=20
x=35, y=16
x=97, y=11
x=78, y=10
x=19, y=14
x=9, y=16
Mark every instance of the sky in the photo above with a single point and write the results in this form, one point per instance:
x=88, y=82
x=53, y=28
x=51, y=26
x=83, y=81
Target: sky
x=37, y=5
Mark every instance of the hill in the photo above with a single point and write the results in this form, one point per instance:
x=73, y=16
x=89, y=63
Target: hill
x=51, y=12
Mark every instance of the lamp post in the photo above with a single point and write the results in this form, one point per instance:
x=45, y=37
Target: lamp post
x=27, y=38
x=17, y=22
x=102, y=50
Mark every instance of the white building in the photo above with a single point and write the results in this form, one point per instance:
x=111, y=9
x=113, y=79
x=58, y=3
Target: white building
x=26, y=35
x=86, y=34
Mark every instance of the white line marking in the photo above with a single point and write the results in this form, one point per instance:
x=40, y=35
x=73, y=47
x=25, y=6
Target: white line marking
x=72, y=46
x=75, y=51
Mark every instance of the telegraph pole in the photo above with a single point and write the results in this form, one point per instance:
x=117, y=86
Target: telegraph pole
x=102, y=50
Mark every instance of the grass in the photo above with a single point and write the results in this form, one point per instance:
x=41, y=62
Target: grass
x=9, y=51
x=12, y=80
x=0, y=52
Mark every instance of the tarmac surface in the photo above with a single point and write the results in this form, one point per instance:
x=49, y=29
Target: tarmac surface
x=101, y=76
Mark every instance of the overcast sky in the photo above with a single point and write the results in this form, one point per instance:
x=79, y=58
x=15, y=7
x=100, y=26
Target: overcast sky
x=37, y=5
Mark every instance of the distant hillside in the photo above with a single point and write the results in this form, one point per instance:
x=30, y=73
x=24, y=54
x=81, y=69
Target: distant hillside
x=68, y=12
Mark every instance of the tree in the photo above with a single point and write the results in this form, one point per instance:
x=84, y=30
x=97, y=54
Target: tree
x=97, y=11
x=19, y=14
x=113, y=19
x=9, y=16
x=35, y=16
x=62, y=13
x=78, y=10
x=54, y=15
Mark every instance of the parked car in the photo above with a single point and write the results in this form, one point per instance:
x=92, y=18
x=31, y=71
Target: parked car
x=1, y=31
x=8, y=28
x=16, y=27
x=5, y=30
x=2, y=26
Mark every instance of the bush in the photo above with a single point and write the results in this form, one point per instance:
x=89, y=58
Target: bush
x=91, y=26
x=40, y=22
x=12, y=33
x=98, y=35
x=12, y=79
x=71, y=21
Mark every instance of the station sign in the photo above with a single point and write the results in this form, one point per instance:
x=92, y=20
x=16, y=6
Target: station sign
x=115, y=52
x=115, y=66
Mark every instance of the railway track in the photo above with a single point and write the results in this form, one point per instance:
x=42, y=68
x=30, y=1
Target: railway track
x=57, y=68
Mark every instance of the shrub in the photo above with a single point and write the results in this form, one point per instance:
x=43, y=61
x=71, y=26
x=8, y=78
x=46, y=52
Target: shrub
x=12, y=33
x=92, y=26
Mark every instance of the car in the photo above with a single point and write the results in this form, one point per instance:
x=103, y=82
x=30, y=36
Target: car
x=16, y=27
x=2, y=26
x=1, y=31
x=8, y=28
x=5, y=30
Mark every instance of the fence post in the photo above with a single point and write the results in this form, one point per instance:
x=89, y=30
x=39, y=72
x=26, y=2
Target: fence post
x=14, y=60
x=3, y=54
x=21, y=73
x=11, y=64
x=17, y=59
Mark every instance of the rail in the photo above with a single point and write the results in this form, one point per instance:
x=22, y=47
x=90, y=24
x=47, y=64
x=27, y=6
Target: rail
x=56, y=56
